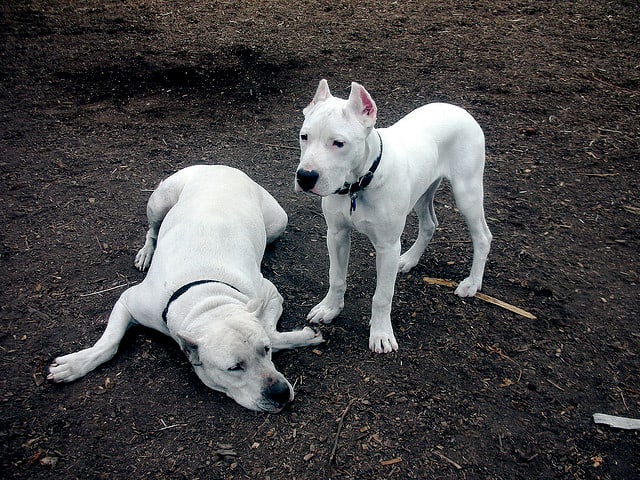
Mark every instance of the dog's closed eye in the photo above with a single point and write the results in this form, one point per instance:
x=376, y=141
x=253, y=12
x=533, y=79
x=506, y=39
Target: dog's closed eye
x=238, y=367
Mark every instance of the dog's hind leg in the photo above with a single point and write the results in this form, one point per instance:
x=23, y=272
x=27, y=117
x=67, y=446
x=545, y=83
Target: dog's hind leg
x=75, y=365
x=468, y=196
x=275, y=218
x=160, y=202
x=427, y=222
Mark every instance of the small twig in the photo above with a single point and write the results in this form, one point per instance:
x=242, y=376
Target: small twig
x=41, y=315
x=481, y=296
x=167, y=427
x=631, y=209
x=332, y=455
x=448, y=460
x=274, y=145
x=600, y=174
x=623, y=400
x=99, y=243
x=505, y=305
x=631, y=390
x=504, y=356
x=593, y=75
x=556, y=385
x=103, y=291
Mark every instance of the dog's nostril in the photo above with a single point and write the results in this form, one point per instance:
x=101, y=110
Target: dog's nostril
x=307, y=178
x=278, y=393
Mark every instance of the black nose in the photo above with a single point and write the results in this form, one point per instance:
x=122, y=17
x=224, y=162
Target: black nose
x=278, y=393
x=307, y=179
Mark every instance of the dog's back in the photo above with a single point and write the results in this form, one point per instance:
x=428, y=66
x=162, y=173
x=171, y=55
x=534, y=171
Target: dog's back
x=216, y=221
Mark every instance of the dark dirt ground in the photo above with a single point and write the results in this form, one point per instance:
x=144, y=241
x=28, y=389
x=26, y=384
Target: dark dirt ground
x=99, y=100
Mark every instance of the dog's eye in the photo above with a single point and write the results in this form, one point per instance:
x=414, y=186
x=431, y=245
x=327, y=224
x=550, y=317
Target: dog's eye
x=338, y=143
x=304, y=137
x=238, y=367
x=267, y=349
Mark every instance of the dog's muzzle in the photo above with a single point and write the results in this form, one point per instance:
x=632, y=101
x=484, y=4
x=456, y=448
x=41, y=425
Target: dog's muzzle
x=307, y=179
x=278, y=394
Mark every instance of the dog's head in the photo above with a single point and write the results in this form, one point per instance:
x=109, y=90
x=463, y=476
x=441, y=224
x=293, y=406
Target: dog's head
x=233, y=355
x=333, y=140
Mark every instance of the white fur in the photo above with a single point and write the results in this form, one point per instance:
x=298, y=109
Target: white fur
x=207, y=223
x=339, y=144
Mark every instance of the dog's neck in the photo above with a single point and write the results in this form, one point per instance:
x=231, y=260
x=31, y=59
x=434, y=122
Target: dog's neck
x=182, y=290
x=352, y=189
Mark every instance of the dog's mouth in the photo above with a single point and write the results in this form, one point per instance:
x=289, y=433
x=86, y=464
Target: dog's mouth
x=275, y=409
x=313, y=191
x=276, y=396
x=310, y=192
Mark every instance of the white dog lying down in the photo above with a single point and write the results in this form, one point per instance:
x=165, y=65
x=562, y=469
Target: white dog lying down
x=208, y=228
x=371, y=179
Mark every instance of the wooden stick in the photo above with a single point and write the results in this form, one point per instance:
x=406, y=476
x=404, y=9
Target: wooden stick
x=601, y=174
x=617, y=422
x=275, y=145
x=481, y=296
x=505, y=305
x=332, y=455
x=103, y=291
x=448, y=460
x=632, y=209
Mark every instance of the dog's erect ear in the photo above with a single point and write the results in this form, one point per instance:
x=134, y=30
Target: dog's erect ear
x=190, y=348
x=363, y=105
x=254, y=306
x=322, y=94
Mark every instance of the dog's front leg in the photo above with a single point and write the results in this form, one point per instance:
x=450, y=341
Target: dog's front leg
x=75, y=365
x=381, y=337
x=339, y=245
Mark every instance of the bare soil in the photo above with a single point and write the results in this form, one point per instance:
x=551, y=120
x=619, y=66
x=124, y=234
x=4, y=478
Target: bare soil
x=99, y=100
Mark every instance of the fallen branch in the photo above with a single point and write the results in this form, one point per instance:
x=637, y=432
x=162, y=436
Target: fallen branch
x=103, y=291
x=601, y=174
x=481, y=296
x=630, y=209
x=332, y=455
x=448, y=460
x=275, y=145
x=617, y=422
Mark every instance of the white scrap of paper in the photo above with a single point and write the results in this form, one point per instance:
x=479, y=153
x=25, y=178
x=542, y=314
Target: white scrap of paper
x=617, y=422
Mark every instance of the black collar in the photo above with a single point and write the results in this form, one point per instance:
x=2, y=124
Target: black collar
x=353, y=188
x=186, y=287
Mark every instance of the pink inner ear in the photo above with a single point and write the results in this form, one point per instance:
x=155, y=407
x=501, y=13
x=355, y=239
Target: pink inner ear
x=368, y=107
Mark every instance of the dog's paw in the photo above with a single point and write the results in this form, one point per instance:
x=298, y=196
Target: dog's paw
x=143, y=258
x=468, y=287
x=328, y=309
x=381, y=342
x=324, y=312
x=314, y=336
x=70, y=367
x=406, y=263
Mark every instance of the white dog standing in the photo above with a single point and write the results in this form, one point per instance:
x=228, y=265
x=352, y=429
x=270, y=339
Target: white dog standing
x=208, y=227
x=371, y=179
